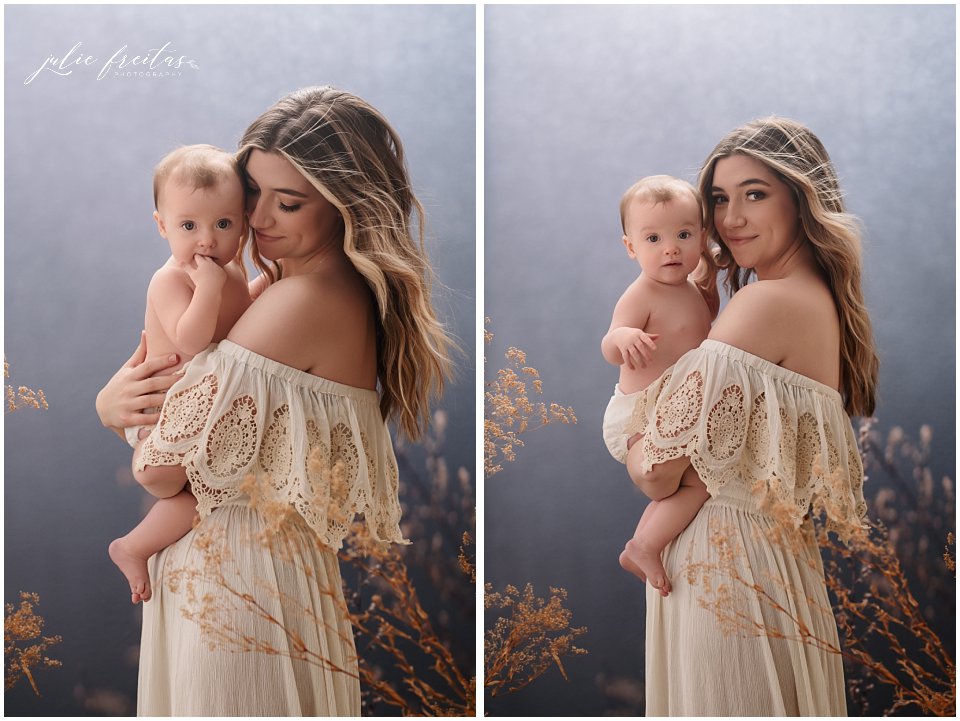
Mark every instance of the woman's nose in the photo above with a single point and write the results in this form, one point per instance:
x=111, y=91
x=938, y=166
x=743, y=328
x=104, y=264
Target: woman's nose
x=732, y=217
x=256, y=212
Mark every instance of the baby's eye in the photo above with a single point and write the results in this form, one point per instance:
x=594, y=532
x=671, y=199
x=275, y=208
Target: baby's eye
x=684, y=234
x=188, y=225
x=224, y=223
x=653, y=238
x=289, y=208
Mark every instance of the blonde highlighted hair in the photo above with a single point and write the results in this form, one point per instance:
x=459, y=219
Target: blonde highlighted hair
x=197, y=166
x=798, y=158
x=349, y=152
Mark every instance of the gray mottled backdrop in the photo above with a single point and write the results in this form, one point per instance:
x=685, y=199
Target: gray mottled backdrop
x=80, y=247
x=582, y=101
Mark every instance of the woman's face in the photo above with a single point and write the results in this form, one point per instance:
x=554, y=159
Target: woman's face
x=755, y=214
x=290, y=218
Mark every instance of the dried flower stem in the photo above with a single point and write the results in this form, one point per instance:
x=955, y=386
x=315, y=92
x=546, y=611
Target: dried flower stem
x=23, y=625
x=508, y=410
x=521, y=646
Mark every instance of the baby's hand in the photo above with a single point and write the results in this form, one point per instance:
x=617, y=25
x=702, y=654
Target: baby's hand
x=205, y=272
x=635, y=346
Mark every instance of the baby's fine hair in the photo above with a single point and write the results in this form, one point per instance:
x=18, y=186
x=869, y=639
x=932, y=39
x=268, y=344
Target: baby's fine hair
x=198, y=166
x=656, y=189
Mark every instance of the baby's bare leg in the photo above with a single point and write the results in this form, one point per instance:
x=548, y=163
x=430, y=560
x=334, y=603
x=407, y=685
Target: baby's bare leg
x=666, y=522
x=168, y=521
x=625, y=562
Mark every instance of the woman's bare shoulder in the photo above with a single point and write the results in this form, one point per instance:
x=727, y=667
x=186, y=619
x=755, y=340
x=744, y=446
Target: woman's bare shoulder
x=769, y=317
x=305, y=321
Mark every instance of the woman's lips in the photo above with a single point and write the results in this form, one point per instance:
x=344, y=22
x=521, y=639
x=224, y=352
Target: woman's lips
x=739, y=239
x=264, y=237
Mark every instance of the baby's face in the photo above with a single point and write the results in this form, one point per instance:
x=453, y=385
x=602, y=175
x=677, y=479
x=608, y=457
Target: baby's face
x=207, y=221
x=665, y=238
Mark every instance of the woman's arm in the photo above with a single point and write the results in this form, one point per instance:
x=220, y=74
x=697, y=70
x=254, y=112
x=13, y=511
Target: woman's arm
x=121, y=402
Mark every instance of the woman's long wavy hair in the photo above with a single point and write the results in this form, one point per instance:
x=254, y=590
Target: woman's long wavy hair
x=799, y=159
x=349, y=152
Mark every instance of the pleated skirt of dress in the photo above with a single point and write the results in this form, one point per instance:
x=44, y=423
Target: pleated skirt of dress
x=694, y=669
x=185, y=671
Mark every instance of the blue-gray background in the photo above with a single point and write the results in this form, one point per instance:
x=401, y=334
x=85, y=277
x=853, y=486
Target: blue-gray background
x=582, y=101
x=80, y=247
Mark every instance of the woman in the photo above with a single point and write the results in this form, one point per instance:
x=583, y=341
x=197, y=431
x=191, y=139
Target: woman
x=761, y=410
x=280, y=430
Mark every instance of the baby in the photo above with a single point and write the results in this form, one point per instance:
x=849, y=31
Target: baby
x=661, y=315
x=193, y=300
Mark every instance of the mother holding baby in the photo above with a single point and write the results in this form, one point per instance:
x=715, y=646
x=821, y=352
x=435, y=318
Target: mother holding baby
x=280, y=431
x=761, y=411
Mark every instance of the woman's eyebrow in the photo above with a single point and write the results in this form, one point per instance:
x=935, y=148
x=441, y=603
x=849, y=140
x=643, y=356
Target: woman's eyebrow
x=750, y=181
x=288, y=191
x=285, y=191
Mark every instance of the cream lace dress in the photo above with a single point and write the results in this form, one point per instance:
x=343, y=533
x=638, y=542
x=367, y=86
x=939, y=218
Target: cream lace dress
x=755, y=432
x=247, y=616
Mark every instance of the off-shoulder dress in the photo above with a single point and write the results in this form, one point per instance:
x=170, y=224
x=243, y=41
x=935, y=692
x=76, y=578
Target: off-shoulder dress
x=755, y=432
x=248, y=616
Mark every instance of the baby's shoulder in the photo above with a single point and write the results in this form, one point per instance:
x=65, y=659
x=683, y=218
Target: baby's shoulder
x=169, y=278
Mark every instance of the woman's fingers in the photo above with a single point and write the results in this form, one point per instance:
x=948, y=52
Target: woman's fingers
x=151, y=365
x=140, y=354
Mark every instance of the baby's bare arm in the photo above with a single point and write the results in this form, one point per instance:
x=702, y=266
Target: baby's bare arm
x=626, y=341
x=188, y=315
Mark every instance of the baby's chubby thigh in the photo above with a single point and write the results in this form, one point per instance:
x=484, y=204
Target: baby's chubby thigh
x=622, y=413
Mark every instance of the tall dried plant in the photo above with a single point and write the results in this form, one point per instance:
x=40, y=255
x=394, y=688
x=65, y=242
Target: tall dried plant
x=528, y=634
x=23, y=646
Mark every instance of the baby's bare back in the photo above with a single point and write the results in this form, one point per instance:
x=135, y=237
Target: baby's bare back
x=680, y=317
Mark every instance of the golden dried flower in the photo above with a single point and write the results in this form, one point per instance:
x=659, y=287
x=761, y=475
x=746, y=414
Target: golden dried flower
x=23, y=646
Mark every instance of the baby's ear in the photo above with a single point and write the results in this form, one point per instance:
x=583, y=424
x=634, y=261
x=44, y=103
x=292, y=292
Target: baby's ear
x=629, y=246
x=160, y=226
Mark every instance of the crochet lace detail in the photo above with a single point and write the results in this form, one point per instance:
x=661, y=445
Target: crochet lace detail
x=744, y=420
x=313, y=443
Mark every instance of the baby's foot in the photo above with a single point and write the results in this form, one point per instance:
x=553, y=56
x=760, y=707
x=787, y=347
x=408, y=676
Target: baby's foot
x=644, y=562
x=134, y=568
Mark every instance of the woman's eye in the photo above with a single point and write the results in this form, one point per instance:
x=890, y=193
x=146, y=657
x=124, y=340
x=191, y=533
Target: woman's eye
x=756, y=195
x=188, y=225
x=253, y=191
x=223, y=223
x=289, y=208
x=718, y=200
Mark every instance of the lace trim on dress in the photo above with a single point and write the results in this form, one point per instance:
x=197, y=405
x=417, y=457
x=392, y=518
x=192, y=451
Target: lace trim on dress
x=319, y=445
x=741, y=418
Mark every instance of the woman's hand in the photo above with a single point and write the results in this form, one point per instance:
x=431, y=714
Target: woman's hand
x=120, y=404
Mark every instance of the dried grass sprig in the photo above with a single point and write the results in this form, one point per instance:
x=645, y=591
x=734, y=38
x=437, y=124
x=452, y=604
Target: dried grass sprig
x=529, y=636
x=22, y=397
x=509, y=412
x=396, y=624
x=24, y=648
